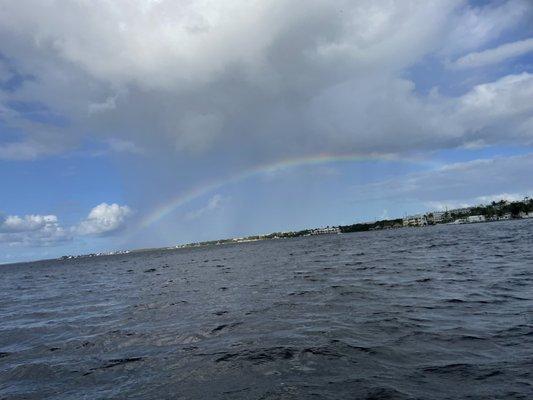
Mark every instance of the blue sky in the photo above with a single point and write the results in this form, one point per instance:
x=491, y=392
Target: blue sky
x=109, y=112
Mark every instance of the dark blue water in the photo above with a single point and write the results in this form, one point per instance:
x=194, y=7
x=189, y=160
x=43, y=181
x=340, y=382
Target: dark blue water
x=431, y=313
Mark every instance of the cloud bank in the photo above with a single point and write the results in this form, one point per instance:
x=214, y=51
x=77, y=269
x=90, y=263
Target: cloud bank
x=46, y=230
x=274, y=78
x=32, y=230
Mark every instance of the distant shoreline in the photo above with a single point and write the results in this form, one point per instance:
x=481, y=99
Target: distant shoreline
x=496, y=211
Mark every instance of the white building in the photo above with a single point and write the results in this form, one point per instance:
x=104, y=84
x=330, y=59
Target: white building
x=321, y=231
x=436, y=217
x=465, y=210
x=460, y=221
x=475, y=218
x=415, y=220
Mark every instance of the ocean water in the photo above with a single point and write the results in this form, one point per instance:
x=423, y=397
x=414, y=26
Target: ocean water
x=441, y=312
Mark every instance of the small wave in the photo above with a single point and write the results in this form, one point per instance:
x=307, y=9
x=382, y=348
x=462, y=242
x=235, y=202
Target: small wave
x=278, y=353
x=302, y=293
x=322, y=351
x=459, y=369
x=385, y=394
x=225, y=327
x=488, y=375
x=454, y=301
x=115, y=362
x=260, y=355
x=34, y=371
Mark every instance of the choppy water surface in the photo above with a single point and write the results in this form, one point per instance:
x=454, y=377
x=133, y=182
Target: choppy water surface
x=431, y=313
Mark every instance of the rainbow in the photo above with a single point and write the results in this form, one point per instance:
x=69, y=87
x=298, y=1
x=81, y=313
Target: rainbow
x=208, y=187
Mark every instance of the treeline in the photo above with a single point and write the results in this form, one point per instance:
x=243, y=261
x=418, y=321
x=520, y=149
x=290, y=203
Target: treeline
x=371, y=226
x=495, y=209
x=274, y=235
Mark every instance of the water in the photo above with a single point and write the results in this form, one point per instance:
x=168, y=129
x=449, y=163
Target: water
x=432, y=313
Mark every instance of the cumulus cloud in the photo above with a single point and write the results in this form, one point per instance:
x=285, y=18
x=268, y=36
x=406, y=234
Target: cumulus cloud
x=104, y=219
x=495, y=55
x=14, y=223
x=32, y=230
x=46, y=230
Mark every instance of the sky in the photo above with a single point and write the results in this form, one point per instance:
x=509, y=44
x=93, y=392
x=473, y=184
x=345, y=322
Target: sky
x=143, y=123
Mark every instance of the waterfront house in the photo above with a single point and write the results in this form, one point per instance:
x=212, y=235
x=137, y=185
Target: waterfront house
x=461, y=211
x=524, y=214
x=326, y=230
x=436, y=217
x=475, y=218
x=415, y=220
x=460, y=221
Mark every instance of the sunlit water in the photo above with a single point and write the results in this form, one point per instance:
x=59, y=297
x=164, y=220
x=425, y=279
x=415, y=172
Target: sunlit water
x=432, y=313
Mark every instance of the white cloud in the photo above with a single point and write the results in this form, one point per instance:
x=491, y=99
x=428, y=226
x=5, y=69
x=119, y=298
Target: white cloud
x=497, y=111
x=388, y=116
x=505, y=196
x=495, y=55
x=450, y=204
x=26, y=150
x=123, y=146
x=108, y=105
x=477, y=26
x=104, y=219
x=14, y=223
x=32, y=230
x=46, y=230
x=190, y=75
x=214, y=203
x=447, y=205
x=456, y=184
